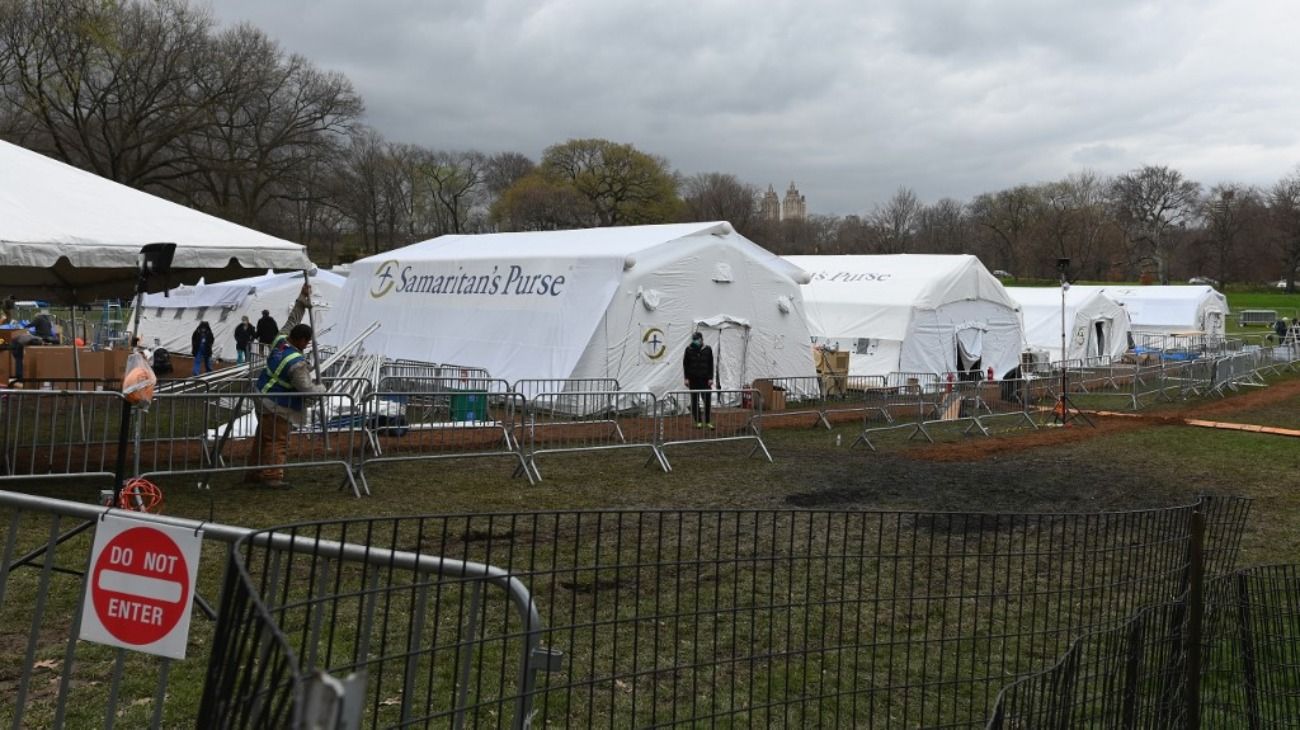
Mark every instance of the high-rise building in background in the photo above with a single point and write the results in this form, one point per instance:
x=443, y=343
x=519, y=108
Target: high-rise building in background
x=793, y=208
x=770, y=206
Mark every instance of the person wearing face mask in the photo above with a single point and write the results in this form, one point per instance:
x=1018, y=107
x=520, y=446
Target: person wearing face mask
x=697, y=367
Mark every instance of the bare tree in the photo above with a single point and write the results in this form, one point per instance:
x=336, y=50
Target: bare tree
x=1229, y=211
x=503, y=169
x=454, y=184
x=1007, y=217
x=717, y=196
x=1151, y=204
x=943, y=228
x=1284, y=212
x=110, y=87
x=894, y=224
x=281, y=118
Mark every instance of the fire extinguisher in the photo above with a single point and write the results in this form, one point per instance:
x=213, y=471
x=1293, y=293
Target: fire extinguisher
x=990, y=372
x=951, y=377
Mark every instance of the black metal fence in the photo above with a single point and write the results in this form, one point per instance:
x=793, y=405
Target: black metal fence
x=1223, y=655
x=760, y=618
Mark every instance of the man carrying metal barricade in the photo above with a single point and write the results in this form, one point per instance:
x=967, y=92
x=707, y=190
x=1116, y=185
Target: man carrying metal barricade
x=286, y=375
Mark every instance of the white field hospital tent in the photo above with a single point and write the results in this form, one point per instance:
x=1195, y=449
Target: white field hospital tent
x=912, y=313
x=596, y=303
x=1163, y=310
x=168, y=321
x=1095, y=326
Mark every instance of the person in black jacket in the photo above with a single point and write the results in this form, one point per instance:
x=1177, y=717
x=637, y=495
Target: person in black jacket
x=244, y=334
x=697, y=367
x=201, y=346
x=267, y=330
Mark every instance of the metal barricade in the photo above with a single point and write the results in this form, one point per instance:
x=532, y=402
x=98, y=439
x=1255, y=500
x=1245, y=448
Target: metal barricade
x=416, y=419
x=1011, y=399
x=454, y=375
x=198, y=433
x=54, y=680
x=906, y=402
x=820, y=396
x=926, y=383
x=962, y=402
x=1234, y=371
x=394, y=370
x=732, y=415
x=590, y=421
x=58, y=433
x=400, y=638
x=532, y=387
x=790, y=397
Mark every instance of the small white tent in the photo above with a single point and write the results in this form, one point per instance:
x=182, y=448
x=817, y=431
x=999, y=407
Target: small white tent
x=1096, y=327
x=912, y=313
x=169, y=320
x=1163, y=310
x=597, y=303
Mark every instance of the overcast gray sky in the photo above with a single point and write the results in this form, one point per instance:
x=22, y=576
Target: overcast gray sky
x=848, y=98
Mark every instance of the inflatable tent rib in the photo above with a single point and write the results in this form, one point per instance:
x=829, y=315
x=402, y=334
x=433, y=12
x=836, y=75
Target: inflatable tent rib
x=912, y=313
x=1096, y=327
x=596, y=303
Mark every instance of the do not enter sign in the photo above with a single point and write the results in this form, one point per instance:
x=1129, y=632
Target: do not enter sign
x=141, y=584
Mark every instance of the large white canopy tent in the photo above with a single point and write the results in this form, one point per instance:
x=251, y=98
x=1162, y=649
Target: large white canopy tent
x=912, y=313
x=1095, y=325
x=70, y=236
x=1164, y=310
x=169, y=320
x=596, y=303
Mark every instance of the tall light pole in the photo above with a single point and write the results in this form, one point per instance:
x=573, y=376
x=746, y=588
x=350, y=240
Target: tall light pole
x=1062, y=270
x=1063, y=403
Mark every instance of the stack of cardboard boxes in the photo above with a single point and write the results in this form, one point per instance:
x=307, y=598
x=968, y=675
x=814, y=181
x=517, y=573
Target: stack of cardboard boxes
x=833, y=367
x=54, y=362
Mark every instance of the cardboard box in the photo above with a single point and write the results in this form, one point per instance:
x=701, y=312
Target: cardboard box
x=830, y=362
x=115, y=363
x=48, y=362
x=92, y=364
x=773, y=397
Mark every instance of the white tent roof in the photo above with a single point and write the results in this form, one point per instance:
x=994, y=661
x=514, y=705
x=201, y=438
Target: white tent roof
x=874, y=296
x=625, y=244
x=65, y=230
x=528, y=305
x=233, y=293
x=1040, y=309
x=1165, y=307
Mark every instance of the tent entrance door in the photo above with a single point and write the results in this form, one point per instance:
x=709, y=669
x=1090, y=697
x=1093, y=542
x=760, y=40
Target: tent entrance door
x=729, y=338
x=1099, y=337
x=970, y=353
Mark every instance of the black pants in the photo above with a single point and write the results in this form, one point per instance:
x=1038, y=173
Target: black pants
x=18, y=362
x=698, y=391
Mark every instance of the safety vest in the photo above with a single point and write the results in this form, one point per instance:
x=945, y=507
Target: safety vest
x=274, y=377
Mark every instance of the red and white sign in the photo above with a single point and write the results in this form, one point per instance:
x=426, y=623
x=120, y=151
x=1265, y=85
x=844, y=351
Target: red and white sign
x=141, y=585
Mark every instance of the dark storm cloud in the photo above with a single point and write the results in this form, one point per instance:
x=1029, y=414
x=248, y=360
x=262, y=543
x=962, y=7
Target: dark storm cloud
x=849, y=99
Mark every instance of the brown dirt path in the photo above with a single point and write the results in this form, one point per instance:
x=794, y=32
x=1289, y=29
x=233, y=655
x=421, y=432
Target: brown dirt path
x=978, y=449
